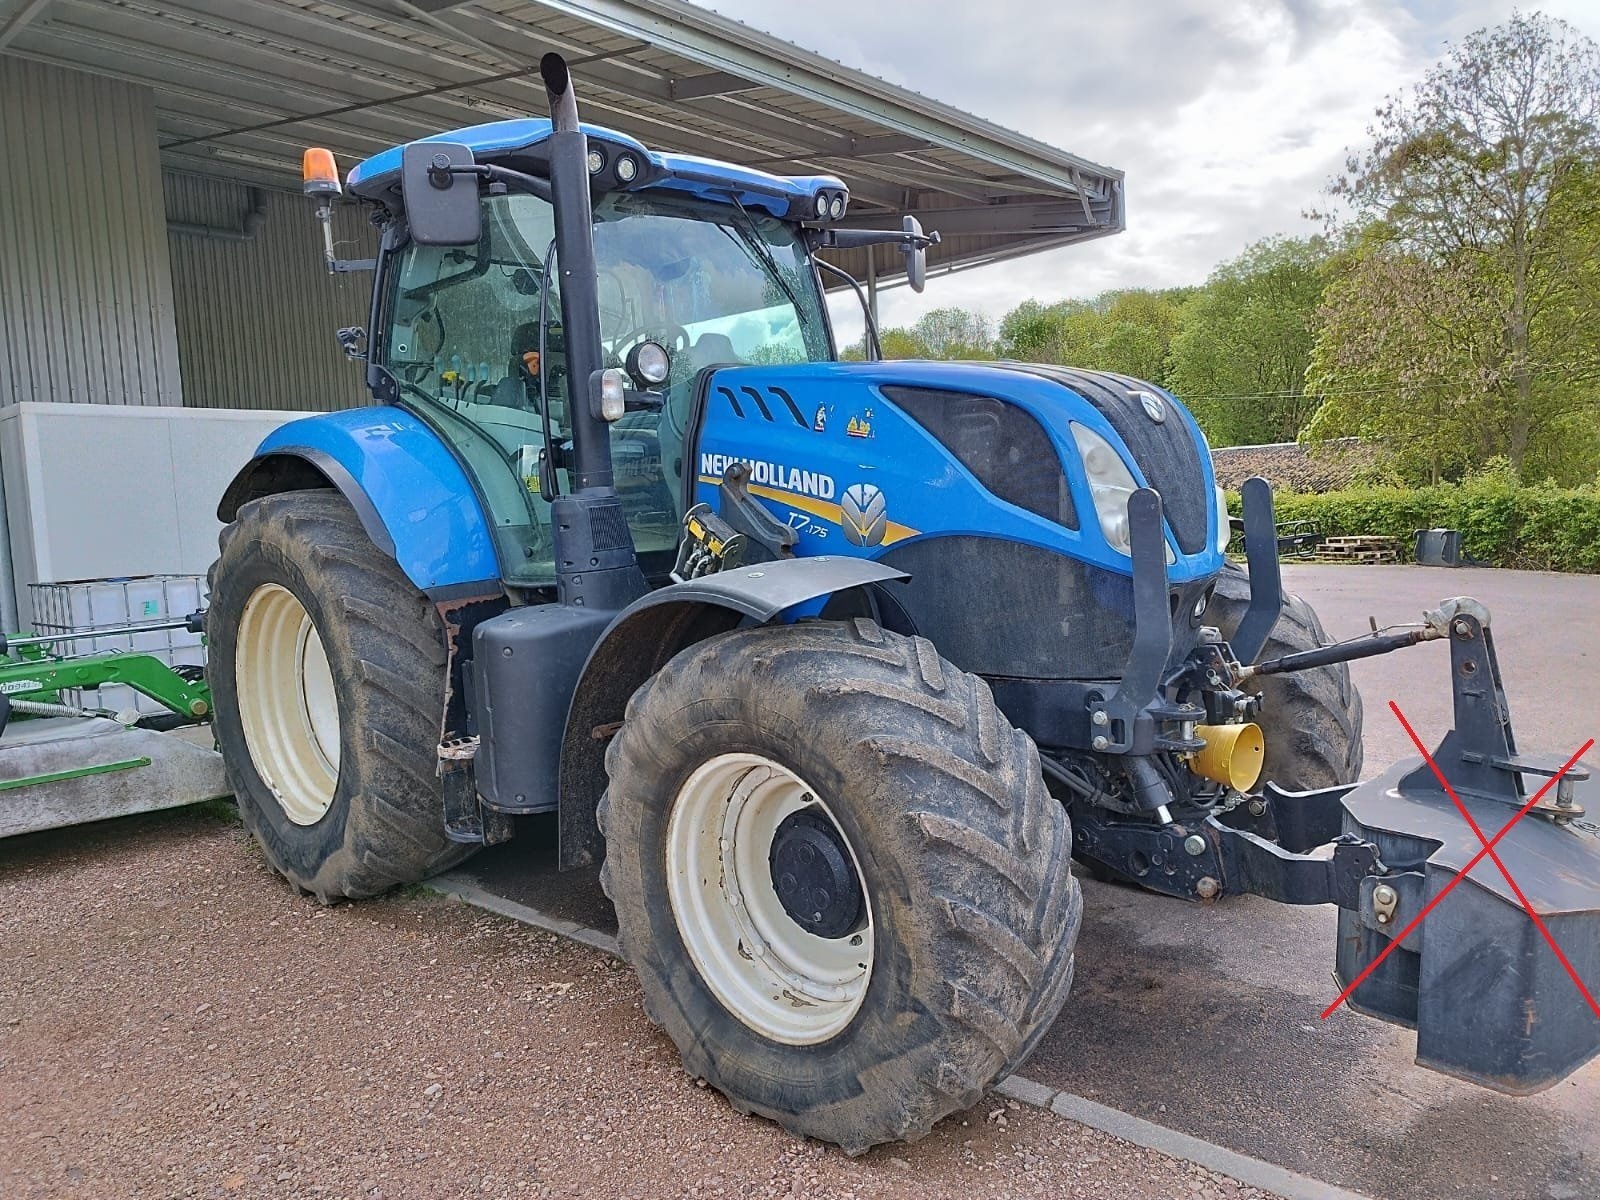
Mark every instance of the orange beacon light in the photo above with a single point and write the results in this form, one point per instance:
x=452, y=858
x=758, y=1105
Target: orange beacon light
x=320, y=174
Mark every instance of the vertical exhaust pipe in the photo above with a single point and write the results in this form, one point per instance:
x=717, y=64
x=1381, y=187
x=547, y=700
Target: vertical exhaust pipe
x=580, y=285
x=596, y=566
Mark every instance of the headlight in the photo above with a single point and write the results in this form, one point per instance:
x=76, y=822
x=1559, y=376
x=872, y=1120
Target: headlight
x=627, y=168
x=1110, y=486
x=1224, y=529
x=597, y=161
x=820, y=205
x=836, y=209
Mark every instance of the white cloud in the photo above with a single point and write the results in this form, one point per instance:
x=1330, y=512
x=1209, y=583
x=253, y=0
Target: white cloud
x=1228, y=117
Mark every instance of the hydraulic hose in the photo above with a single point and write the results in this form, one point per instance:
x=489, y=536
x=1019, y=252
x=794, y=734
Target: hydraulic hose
x=1150, y=790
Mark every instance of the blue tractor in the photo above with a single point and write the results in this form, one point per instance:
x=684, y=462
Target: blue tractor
x=835, y=666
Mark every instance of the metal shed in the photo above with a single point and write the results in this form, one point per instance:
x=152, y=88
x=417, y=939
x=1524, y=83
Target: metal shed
x=241, y=86
x=157, y=253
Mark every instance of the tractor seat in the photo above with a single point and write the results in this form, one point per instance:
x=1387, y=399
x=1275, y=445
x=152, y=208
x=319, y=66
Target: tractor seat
x=710, y=350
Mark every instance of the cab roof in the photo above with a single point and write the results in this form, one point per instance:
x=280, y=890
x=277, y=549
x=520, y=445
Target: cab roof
x=522, y=143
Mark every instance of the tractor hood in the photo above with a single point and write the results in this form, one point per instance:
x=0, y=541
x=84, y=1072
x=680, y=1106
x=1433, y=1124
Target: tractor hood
x=944, y=440
x=974, y=479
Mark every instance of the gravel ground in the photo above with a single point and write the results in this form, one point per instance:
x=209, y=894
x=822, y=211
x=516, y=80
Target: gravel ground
x=174, y=1022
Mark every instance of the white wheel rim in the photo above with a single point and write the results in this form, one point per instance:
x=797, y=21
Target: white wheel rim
x=787, y=984
x=287, y=703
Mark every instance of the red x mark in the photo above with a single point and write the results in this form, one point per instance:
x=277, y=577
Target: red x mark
x=1487, y=852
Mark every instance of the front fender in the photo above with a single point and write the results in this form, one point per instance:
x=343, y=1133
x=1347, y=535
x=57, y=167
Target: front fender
x=647, y=634
x=412, y=496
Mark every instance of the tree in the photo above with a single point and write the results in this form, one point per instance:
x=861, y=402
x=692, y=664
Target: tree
x=1385, y=370
x=955, y=333
x=1240, y=355
x=1471, y=198
x=1128, y=332
x=942, y=333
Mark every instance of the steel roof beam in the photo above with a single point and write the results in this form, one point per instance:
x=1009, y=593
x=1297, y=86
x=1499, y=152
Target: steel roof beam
x=22, y=14
x=721, y=43
x=403, y=111
x=713, y=83
x=460, y=93
x=645, y=83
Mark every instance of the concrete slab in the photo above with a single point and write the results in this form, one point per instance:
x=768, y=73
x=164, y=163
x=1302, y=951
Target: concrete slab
x=60, y=771
x=1205, y=1021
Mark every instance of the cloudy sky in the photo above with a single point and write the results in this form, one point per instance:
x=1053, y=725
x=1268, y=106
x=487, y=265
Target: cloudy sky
x=1227, y=116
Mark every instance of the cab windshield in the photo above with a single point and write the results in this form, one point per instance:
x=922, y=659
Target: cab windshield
x=713, y=283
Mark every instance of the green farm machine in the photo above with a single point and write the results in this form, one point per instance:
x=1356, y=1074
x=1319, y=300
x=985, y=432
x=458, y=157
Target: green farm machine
x=64, y=763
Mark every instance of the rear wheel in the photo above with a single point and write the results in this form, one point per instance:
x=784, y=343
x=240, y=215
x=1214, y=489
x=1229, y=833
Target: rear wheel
x=327, y=676
x=1311, y=719
x=839, y=876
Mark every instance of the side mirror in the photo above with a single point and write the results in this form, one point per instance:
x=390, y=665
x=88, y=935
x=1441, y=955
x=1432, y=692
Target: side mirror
x=916, y=252
x=441, y=194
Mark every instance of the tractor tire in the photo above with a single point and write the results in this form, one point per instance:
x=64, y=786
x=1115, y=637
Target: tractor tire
x=1311, y=720
x=735, y=770
x=327, y=676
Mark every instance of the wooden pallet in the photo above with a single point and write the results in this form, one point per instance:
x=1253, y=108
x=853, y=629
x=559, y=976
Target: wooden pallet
x=1360, y=548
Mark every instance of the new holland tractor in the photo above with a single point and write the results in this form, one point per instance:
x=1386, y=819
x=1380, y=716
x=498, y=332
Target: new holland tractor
x=835, y=666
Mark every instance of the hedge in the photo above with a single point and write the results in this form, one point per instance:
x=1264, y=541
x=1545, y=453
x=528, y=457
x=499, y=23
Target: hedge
x=1535, y=527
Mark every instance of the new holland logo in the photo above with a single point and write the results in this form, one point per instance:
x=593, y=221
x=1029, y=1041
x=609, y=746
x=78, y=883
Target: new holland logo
x=1153, y=407
x=772, y=474
x=864, y=515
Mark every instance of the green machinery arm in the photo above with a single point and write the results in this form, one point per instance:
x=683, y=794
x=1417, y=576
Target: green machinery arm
x=39, y=674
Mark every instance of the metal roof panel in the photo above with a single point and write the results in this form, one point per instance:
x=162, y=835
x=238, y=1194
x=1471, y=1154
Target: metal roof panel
x=241, y=85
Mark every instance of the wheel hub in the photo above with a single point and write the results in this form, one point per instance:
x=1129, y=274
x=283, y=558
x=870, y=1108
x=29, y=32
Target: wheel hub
x=812, y=873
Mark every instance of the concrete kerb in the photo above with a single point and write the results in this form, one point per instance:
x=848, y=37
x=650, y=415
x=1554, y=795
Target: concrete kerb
x=470, y=893
x=1254, y=1172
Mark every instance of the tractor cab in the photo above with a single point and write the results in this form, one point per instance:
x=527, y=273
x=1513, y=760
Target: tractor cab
x=698, y=264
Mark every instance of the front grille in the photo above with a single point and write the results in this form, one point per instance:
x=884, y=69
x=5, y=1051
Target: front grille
x=1002, y=608
x=998, y=607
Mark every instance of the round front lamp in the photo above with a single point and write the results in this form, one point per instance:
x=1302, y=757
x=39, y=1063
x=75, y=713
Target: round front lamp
x=649, y=364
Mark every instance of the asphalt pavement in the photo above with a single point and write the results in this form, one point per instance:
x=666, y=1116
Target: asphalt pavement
x=1206, y=1020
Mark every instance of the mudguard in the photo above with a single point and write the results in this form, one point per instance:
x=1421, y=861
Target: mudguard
x=641, y=640
x=405, y=484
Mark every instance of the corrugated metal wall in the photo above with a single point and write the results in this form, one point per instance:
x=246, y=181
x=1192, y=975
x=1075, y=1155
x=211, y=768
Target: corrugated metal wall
x=86, y=310
x=256, y=319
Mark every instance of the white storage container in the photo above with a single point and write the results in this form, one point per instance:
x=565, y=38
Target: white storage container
x=85, y=605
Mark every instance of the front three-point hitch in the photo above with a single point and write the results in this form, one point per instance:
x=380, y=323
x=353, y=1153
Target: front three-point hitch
x=1489, y=997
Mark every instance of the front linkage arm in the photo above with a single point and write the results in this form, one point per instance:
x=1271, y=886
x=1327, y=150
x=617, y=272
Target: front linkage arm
x=1270, y=843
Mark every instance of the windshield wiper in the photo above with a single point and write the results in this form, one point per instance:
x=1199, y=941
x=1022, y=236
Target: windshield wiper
x=755, y=245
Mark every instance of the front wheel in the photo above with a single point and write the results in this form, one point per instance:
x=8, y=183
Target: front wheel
x=840, y=877
x=327, y=675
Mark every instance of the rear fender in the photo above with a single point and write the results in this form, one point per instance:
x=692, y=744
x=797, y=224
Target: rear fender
x=412, y=496
x=647, y=634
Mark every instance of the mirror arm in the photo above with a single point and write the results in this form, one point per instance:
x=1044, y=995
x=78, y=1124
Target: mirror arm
x=855, y=239
x=517, y=179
